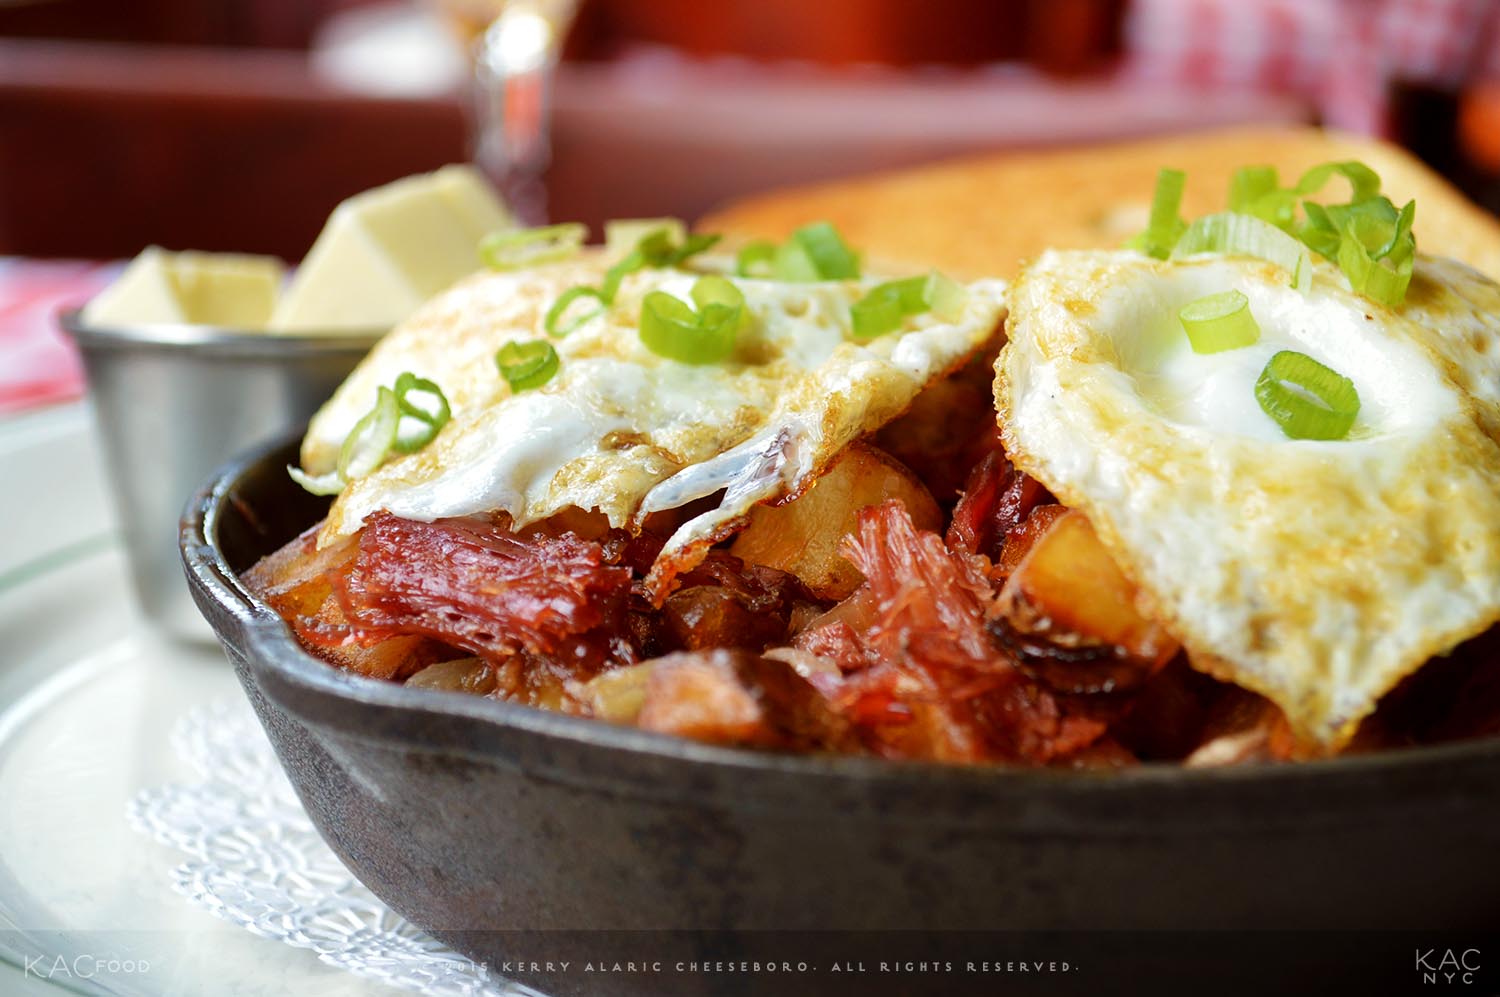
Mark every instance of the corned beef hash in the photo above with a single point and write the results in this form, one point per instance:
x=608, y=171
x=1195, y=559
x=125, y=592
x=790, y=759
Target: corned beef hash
x=1228, y=494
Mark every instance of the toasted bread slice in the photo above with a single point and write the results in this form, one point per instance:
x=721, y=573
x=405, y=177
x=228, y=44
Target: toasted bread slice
x=983, y=216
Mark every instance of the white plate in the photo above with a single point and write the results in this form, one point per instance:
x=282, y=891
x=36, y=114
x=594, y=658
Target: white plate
x=88, y=695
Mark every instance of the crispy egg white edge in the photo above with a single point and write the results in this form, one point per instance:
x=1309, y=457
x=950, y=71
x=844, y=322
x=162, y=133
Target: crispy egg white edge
x=1069, y=409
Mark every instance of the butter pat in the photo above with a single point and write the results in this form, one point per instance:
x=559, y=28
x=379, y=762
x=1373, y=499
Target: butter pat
x=386, y=251
x=222, y=289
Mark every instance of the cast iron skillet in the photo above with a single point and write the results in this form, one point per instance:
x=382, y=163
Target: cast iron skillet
x=514, y=833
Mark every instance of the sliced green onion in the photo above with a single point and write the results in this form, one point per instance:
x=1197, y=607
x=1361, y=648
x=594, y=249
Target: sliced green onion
x=322, y=484
x=624, y=234
x=1372, y=243
x=1246, y=235
x=1364, y=182
x=1249, y=184
x=1257, y=191
x=945, y=296
x=1367, y=237
x=815, y=252
x=794, y=263
x=408, y=383
x=1370, y=240
x=887, y=305
x=527, y=365
x=512, y=249
x=380, y=431
x=877, y=313
x=715, y=290
x=1166, y=224
x=429, y=418
x=757, y=259
x=670, y=328
x=830, y=254
x=661, y=251
x=553, y=322
x=1402, y=242
x=662, y=246
x=1283, y=391
x=616, y=274
x=370, y=441
x=1371, y=276
x=1219, y=322
x=1320, y=232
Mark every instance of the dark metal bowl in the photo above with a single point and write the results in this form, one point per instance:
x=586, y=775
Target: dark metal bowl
x=504, y=829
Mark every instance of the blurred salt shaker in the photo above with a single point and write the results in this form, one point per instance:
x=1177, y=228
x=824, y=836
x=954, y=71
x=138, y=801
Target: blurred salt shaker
x=515, y=67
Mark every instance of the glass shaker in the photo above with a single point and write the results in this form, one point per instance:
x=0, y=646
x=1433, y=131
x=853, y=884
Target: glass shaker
x=515, y=65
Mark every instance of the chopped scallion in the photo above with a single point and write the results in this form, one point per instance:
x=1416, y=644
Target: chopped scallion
x=877, y=313
x=555, y=323
x=1166, y=224
x=1364, y=183
x=715, y=290
x=382, y=430
x=623, y=235
x=670, y=327
x=527, y=365
x=512, y=249
x=830, y=255
x=945, y=296
x=428, y=418
x=1219, y=322
x=756, y=259
x=1246, y=235
x=794, y=263
x=1369, y=239
x=887, y=305
x=370, y=441
x=661, y=242
x=321, y=484
x=1306, y=399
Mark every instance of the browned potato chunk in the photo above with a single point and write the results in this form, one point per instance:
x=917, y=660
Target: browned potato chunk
x=804, y=536
x=295, y=579
x=395, y=658
x=615, y=695
x=472, y=675
x=1069, y=590
x=701, y=695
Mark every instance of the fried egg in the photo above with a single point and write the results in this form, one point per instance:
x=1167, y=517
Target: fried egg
x=1317, y=573
x=622, y=430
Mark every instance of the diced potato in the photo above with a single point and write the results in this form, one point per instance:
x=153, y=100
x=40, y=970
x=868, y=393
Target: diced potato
x=804, y=537
x=1068, y=589
x=616, y=695
x=394, y=658
x=295, y=579
x=700, y=695
x=1019, y=541
x=472, y=675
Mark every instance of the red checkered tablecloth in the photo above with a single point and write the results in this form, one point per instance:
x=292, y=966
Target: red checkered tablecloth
x=38, y=365
x=1343, y=54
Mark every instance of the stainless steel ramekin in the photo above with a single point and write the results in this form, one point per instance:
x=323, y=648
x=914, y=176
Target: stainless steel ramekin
x=171, y=403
